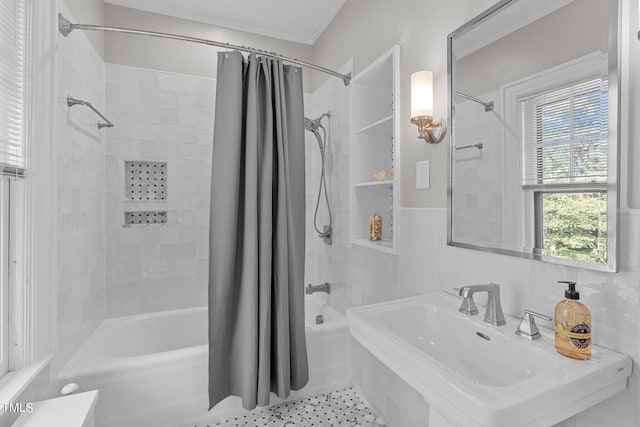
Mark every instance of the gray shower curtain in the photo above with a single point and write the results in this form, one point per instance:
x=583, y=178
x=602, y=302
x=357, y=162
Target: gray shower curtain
x=256, y=268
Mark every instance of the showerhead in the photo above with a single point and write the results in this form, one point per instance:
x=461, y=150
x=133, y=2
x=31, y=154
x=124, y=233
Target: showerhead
x=313, y=125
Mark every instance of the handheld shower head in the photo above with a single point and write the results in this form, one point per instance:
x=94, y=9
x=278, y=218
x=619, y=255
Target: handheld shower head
x=313, y=125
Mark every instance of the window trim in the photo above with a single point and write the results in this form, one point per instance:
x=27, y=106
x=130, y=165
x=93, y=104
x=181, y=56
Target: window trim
x=521, y=208
x=7, y=272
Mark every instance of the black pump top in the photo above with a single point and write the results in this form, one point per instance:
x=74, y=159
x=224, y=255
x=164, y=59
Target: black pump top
x=570, y=293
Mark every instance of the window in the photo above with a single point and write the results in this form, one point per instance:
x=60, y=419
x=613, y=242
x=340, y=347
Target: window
x=564, y=167
x=13, y=90
x=12, y=86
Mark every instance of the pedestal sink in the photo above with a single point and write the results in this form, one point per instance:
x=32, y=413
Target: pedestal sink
x=478, y=375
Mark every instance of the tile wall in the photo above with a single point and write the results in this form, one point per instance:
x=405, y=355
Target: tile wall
x=425, y=263
x=79, y=160
x=168, y=118
x=479, y=174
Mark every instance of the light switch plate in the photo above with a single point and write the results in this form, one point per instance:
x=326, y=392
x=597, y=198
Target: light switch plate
x=422, y=175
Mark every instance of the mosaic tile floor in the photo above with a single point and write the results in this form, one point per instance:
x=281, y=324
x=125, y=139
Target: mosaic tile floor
x=339, y=408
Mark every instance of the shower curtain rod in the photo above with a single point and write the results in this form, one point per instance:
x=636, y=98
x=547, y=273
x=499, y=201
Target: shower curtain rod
x=65, y=27
x=488, y=106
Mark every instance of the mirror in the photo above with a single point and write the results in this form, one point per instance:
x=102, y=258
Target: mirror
x=533, y=92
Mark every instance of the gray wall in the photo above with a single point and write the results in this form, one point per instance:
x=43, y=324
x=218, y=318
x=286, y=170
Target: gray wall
x=364, y=29
x=89, y=12
x=535, y=47
x=181, y=57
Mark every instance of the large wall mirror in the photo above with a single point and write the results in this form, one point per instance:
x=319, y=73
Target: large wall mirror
x=533, y=90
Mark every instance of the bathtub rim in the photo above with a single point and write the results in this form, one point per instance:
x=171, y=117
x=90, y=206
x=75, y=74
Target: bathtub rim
x=80, y=364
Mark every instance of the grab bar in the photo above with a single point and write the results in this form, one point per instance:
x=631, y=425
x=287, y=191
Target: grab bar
x=478, y=146
x=72, y=101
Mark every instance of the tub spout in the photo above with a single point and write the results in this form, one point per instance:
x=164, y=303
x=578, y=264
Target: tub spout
x=325, y=287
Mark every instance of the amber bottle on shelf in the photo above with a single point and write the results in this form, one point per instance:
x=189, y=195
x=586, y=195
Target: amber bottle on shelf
x=375, y=227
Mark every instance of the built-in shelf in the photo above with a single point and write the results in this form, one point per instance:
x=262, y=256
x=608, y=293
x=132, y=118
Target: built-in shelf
x=374, y=184
x=374, y=112
x=385, y=245
x=380, y=127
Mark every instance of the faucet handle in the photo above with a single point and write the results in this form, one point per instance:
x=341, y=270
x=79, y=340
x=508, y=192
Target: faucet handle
x=468, y=304
x=527, y=327
x=529, y=313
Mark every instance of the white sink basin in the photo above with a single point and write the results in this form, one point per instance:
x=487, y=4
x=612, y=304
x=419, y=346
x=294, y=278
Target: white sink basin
x=476, y=374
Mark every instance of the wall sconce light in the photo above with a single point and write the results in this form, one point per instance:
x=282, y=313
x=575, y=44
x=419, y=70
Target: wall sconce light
x=429, y=129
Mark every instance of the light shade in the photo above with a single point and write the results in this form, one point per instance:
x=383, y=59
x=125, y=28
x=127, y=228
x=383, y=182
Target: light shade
x=422, y=94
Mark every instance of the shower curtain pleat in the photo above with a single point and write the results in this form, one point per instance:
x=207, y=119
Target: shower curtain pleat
x=256, y=268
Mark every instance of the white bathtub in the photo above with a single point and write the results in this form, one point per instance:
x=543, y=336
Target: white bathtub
x=151, y=369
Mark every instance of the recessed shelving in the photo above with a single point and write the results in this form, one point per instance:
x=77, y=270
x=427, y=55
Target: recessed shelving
x=381, y=127
x=373, y=148
x=384, y=245
x=374, y=184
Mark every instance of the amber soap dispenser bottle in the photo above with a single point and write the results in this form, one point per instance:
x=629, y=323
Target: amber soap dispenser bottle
x=573, y=325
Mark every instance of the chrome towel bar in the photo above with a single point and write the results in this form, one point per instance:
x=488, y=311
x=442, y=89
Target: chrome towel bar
x=72, y=101
x=478, y=146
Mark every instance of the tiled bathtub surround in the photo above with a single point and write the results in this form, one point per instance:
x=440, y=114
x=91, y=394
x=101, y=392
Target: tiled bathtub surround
x=160, y=117
x=79, y=161
x=425, y=263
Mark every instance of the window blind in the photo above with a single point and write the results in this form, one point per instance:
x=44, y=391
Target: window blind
x=12, y=86
x=565, y=135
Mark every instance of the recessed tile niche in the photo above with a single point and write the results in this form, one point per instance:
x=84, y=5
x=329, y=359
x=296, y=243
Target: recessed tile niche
x=145, y=181
x=145, y=218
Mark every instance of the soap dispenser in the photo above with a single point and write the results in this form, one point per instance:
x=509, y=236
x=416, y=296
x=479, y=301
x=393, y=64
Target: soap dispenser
x=573, y=325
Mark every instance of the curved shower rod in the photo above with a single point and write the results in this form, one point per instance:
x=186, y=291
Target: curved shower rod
x=65, y=27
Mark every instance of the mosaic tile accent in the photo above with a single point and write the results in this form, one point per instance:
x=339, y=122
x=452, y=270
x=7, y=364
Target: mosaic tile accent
x=145, y=180
x=339, y=408
x=145, y=217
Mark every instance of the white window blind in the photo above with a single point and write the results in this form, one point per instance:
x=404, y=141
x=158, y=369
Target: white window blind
x=565, y=135
x=12, y=86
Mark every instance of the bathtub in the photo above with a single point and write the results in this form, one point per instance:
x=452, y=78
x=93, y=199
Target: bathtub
x=151, y=369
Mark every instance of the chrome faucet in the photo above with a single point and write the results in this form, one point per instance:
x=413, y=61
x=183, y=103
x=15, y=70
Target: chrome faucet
x=494, y=314
x=325, y=287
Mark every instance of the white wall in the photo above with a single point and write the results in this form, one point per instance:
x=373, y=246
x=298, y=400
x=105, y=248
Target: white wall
x=164, y=117
x=479, y=215
x=89, y=12
x=79, y=160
